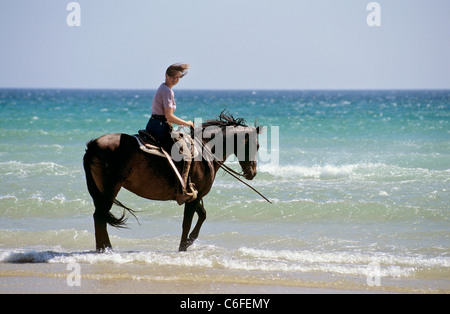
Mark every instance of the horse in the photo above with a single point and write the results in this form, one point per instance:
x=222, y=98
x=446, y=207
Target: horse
x=115, y=161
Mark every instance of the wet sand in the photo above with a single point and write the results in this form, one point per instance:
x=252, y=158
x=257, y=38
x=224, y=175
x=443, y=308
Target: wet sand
x=55, y=279
x=45, y=285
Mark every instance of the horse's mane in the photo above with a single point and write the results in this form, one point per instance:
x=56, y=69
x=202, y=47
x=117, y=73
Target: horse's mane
x=225, y=119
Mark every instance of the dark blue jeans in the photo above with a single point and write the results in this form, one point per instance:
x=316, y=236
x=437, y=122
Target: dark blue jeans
x=161, y=131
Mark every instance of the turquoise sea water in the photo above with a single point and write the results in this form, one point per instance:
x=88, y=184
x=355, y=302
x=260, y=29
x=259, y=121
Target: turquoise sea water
x=362, y=182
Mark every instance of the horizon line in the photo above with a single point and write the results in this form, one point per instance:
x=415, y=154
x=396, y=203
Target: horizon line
x=227, y=89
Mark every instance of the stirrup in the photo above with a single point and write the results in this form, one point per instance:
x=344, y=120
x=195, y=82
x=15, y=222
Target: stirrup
x=187, y=197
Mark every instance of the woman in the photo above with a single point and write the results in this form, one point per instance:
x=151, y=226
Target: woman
x=160, y=124
x=164, y=106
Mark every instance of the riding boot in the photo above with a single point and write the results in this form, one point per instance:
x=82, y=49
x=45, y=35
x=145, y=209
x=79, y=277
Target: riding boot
x=190, y=193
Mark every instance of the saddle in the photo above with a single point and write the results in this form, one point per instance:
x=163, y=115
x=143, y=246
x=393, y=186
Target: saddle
x=147, y=143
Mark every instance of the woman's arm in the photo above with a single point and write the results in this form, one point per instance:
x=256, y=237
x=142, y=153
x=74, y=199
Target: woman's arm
x=168, y=112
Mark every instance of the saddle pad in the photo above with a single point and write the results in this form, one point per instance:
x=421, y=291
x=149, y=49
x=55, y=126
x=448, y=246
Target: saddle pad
x=144, y=138
x=148, y=148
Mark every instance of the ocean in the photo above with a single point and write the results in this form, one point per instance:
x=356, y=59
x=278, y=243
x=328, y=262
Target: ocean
x=359, y=180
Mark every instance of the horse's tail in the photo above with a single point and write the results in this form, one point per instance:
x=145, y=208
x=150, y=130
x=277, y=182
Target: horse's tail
x=102, y=200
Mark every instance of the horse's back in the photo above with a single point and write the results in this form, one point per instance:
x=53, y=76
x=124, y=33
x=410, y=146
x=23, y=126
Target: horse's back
x=109, y=141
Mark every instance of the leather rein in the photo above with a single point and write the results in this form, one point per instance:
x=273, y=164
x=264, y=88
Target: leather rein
x=227, y=169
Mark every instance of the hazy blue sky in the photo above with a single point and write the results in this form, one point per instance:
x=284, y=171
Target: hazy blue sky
x=230, y=44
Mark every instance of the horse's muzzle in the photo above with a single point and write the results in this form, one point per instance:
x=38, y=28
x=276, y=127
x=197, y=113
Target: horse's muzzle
x=249, y=175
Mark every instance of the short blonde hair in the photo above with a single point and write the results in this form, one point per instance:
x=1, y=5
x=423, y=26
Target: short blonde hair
x=177, y=67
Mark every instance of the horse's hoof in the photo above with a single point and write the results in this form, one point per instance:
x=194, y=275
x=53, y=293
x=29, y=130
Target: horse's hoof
x=104, y=249
x=182, y=248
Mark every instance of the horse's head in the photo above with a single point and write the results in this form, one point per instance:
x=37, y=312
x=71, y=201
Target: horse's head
x=246, y=149
x=238, y=139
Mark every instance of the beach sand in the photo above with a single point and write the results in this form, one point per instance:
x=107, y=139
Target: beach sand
x=55, y=279
x=46, y=285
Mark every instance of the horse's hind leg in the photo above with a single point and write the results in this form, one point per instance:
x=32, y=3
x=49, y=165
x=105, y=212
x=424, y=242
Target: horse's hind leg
x=189, y=210
x=102, y=242
x=102, y=217
x=102, y=208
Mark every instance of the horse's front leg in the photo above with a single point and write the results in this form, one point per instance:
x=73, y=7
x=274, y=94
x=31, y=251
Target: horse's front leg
x=201, y=212
x=189, y=210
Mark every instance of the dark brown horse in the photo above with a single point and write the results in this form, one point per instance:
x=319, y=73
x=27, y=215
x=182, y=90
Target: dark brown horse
x=114, y=161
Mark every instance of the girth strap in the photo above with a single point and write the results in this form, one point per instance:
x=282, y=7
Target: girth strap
x=169, y=159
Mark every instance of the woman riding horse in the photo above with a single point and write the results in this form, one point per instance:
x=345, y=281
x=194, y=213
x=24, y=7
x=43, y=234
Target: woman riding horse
x=115, y=161
x=160, y=125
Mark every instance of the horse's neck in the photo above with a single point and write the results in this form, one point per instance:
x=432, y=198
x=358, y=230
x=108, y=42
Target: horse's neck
x=228, y=136
x=216, y=161
x=217, y=164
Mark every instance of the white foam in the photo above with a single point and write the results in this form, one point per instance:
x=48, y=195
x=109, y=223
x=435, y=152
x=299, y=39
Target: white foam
x=22, y=170
x=60, y=198
x=26, y=256
x=344, y=262
x=149, y=258
x=313, y=172
x=9, y=196
x=358, y=171
x=242, y=259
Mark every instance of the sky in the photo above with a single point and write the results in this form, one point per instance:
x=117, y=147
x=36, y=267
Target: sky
x=230, y=44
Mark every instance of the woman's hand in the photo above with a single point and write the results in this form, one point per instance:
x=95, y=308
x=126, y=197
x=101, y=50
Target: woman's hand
x=189, y=124
x=174, y=119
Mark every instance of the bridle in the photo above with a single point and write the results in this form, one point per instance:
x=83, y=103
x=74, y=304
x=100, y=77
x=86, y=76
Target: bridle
x=225, y=168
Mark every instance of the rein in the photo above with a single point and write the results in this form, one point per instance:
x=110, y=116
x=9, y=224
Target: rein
x=228, y=170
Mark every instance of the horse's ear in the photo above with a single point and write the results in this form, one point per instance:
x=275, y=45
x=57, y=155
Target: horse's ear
x=259, y=129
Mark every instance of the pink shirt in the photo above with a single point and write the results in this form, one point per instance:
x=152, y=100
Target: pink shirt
x=164, y=98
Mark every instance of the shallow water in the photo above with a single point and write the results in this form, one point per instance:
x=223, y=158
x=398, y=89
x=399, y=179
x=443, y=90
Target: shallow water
x=362, y=181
